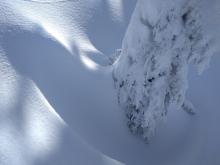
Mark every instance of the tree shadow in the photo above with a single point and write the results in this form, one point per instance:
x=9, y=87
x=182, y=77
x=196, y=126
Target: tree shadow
x=80, y=96
x=59, y=76
x=57, y=73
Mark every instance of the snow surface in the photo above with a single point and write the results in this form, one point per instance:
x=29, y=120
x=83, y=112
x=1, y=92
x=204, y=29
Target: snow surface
x=57, y=100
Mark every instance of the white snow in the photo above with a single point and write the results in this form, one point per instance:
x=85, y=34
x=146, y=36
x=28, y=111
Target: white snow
x=151, y=72
x=58, y=104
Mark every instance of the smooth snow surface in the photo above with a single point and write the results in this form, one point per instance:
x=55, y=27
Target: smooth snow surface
x=58, y=104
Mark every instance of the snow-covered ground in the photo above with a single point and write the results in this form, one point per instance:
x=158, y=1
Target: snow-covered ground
x=58, y=104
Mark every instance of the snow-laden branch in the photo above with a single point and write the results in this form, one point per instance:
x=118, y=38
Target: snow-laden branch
x=162, y=39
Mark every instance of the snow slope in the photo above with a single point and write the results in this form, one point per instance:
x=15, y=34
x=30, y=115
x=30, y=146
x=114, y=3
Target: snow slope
x=31, y=132
x=58, y=104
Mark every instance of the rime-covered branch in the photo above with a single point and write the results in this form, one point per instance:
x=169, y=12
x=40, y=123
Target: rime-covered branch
x=162, y=39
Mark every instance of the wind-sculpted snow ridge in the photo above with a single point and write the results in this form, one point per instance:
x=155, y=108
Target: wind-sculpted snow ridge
x=162, y=40
x=74, y=24
x=31, y=131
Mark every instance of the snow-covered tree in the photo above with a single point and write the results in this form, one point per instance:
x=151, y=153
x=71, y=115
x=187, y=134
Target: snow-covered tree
x=162, y=39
